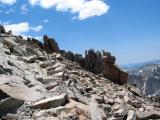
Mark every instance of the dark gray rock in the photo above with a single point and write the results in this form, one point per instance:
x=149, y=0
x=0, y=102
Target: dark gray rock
x=10, y=105
x=50, y=45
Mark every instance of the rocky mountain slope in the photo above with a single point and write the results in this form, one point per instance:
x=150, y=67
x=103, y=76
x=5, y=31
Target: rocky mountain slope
x=41, y=82
x=147, y=78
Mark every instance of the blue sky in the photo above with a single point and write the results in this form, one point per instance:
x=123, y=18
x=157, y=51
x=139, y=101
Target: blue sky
x=129, y=29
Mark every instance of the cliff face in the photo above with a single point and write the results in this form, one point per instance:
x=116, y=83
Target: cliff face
x=36, y=83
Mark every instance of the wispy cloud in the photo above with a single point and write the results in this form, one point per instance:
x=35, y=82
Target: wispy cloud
x=9, y=11
x=24, y=9
x=84, y=8
x=46, y=20
x=37, y=28
x=22, y=28
x=8, y=2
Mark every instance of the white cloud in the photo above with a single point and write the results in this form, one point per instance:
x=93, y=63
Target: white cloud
x=40, y=38
x=84, y=8
x=46, y=20
x=18, y=28
x=9, y=2
x=21, y=28
x=37, y=28
x=93, y=8
x=24, y=9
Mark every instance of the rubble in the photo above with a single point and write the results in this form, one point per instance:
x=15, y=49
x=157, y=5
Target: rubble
x=38, y=83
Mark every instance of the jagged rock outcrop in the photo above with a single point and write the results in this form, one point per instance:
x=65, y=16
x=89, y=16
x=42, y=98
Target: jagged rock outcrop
x=36, y=85
x=99, y=63
x=95, y=62
x=111, y=71
x=50, y=45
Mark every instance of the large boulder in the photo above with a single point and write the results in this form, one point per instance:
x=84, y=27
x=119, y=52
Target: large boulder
x=52, y=102
x=10, y=105
x=12, y=43
x=15, y=87
x=147, y=115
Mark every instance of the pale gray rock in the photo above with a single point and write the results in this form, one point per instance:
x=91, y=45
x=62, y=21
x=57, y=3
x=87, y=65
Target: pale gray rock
x=51, y=102
x=121, y=112
x=131, y=115
x=46, y=64
x=15, y=87
x=135, y=90
x=58, y=67
x=31, y=59
x=99, y=99
x=95, y=113
x=147, y=115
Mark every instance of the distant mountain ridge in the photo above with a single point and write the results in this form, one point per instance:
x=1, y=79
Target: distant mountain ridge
x=145, y=76
x=133, y=66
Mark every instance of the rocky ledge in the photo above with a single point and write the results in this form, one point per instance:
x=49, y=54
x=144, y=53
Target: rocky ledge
x=41, y=82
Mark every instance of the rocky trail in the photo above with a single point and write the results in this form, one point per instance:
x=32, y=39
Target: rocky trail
x=41, y=82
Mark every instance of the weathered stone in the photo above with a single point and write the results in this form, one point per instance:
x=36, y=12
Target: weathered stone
x=46, y=64
x=58, y=67
x=107, y=108
x=35, y=42
x=50, y=45
x=9, y=105
x=135, y=90
x=59, y=57
x=51, y=102
x=141, y=109
x=117, y=118
x=13, y=45
x=51, y=85
x=15, y=87
x=113, y=73
x=99, y=99
x=96, y=63
x=10, y=117
x=120, y=112
x=108, y=58
x=116, y=107
x=147, y=115
x=95, y=113
x=131, y=115
x=32, y=59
